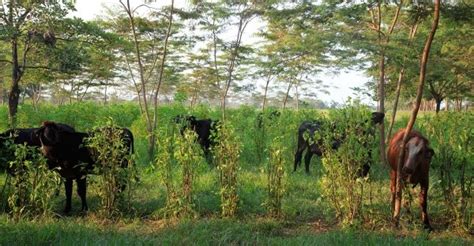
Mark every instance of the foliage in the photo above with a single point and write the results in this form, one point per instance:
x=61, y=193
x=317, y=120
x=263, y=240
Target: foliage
x=114, y=165
x=342, y=182
x=454, y=137
x=276, y=175
x=227, y=154
x=187, y=154
x=33, y=184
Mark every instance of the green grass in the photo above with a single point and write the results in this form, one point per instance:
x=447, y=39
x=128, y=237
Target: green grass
x=308, y=218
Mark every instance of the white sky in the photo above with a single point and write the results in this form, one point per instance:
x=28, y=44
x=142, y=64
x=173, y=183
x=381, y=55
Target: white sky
x=340, y=84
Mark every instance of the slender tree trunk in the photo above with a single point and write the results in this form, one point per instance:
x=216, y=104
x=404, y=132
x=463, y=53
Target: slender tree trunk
x=105, y=93
x=242, y=25
x=287, y=94
x=14, y=95
x=438, y=105
x=401, y=76
x=411, y=122
x=152, y=138
x=231, y=69
x=395, y=103
x=264, y=103
x=381, y=89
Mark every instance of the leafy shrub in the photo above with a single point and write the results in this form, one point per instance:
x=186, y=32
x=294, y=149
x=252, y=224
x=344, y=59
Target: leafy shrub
x=453, y=136
x=187, y=154
x=110, y=154
x=33, y=183
x=275, y=175
x=227, y=154
x=342, y=183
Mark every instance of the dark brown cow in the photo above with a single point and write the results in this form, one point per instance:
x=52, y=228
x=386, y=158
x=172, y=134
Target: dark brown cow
x=416, y=166
x=74, y=159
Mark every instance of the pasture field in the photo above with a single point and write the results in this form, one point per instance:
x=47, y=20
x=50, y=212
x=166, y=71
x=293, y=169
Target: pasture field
x=308, y=216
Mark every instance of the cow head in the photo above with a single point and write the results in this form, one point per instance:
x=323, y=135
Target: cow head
x=377, y=117
x=48, y=133
x=416, y=151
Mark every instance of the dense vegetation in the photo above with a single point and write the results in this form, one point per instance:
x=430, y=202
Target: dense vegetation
x=307, y=213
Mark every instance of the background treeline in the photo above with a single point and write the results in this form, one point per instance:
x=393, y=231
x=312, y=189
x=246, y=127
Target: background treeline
x=210, y=50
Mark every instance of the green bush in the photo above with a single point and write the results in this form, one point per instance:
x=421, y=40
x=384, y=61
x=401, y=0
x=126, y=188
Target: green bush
x=453, y=136
x=275, y=176
x=33, y=184
x=342, y=183
x=110, y=153
x=227, y=154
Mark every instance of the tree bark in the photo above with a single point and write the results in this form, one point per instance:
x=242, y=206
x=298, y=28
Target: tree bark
x=287, y=94
x=14, y=94
x=264, y=103
x=401, y=75
x=411, y=122
x=438, y=105
x=152, y=138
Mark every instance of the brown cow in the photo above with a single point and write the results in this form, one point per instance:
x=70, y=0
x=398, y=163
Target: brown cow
x=416, y=166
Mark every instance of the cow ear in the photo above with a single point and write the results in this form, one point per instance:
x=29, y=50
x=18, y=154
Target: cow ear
x=430, y=153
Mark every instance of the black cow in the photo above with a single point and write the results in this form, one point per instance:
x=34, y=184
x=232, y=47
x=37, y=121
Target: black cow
x=74, y=159
x=26, y=136
x=309, y=143
x=315, y=147
x=204, y=128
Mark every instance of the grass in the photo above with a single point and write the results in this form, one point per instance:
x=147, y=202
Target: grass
x=308, y=218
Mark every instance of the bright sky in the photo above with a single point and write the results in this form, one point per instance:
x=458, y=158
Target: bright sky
x=340, y=84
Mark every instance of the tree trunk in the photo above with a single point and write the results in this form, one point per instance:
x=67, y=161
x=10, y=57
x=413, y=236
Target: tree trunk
x=264, y=103
x=14, y=94
x=105, y=93
x=231, y=67
x=297, y=97
x=152, y=137
x=287, y=94
x=395, y=104
x=411, y=122
x=438, y=105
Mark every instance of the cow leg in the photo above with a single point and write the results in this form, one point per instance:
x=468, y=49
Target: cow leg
x=393, y=184
x=298, y=156
x=423, y=198
x=68, y=187
x=307, y=160
x=81, y=191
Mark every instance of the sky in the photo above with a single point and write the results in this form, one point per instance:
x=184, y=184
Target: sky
x=340, y=84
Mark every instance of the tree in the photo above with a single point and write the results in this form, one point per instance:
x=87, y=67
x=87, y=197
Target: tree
x=26, y=24
x=411, y=122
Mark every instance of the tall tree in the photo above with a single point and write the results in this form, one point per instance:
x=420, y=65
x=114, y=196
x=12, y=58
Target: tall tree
x=411, y=122
x=23, y=25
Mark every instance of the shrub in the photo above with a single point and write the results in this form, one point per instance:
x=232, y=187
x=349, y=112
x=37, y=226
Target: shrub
x=341, y=183
x=33, y=183
x=453, y=136
x=275, y=175
x=227, y=154
x=187, y=154
x=110, y=155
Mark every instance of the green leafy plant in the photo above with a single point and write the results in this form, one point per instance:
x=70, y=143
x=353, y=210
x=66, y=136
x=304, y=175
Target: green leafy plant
x=453, y=135
x=110, y=155
x=227, y=154
x=33, y=183
x=184, y=152
x=342, y=182
x=275, y=175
